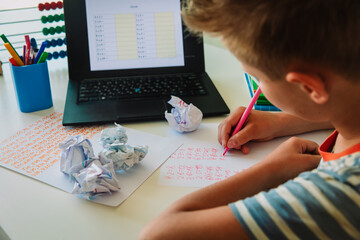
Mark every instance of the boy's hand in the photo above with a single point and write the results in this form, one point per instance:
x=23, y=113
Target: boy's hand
x=263, y=126
x=260, y=126
x=291, y=158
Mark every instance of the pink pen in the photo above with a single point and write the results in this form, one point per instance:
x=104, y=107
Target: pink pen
x=245, y=115
x=27, y=41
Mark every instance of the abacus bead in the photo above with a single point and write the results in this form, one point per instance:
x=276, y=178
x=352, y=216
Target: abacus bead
x=62, y=54
x=47, y=6
x=62, y=17
x=60, y=4
x=58, y=29
x=52, y=30
x=49, y=57
x=53, y=5
x=48, y=44
x=50, y=18
x=54, y=43
x=44, y=19
x=45, y=31
x=56, y=55
x=60, y=42
x=56, y=17
x=41, y=7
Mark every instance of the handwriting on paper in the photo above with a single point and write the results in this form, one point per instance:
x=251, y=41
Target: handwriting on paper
x=34, y=149
x=198, y=153
x=197, y=172
x=197, y=165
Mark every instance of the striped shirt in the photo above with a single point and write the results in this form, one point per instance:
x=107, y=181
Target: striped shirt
x=319, y=204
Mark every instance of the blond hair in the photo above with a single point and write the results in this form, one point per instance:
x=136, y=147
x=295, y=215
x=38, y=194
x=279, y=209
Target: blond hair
x=273, y=34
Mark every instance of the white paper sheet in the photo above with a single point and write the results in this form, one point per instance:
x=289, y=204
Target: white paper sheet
x=34, y=152
x=199, y=162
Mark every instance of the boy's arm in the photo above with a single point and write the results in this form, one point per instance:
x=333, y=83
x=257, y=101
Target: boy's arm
x=205, y=214
x=263, y=126
x=214, y=223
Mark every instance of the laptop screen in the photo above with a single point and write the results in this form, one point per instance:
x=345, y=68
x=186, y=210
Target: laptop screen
x=130, y=34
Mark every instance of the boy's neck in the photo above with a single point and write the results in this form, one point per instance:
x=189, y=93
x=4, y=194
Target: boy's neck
x=348, y=127
x=345, y=115
x=342, y=143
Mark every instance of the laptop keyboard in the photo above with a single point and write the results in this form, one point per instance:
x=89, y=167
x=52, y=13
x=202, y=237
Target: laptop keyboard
x=141, y=87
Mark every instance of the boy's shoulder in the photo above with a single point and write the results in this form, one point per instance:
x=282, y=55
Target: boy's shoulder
x=348, y=161
x=344, y=166
x=345, y=170
x=326, y=198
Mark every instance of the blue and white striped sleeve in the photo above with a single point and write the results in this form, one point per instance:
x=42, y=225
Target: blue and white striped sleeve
x=315, y=205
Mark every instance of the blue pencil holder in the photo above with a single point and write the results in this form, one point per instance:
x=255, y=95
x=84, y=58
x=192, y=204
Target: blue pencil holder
x=32, y=87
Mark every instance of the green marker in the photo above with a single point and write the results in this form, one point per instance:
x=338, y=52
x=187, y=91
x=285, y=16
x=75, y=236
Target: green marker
x=3, y=37
x=263, y=102
x=43, y=57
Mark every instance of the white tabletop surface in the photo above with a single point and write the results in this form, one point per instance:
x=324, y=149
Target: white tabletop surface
x=30, y=209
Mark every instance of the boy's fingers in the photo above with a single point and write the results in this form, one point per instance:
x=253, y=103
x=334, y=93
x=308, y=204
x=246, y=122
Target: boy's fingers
x=309, y=147
x=312, y=161
x=226, y=126
x=245, y=149
x=219, y=134
x=223, y=134
x=239, y=139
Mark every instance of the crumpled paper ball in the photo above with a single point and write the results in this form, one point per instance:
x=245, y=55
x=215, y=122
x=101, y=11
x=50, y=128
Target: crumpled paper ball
x=183, y=117
x=76, y=153
x=96, y=179
x=123, y=155
x=96, y=175
x=110, y=135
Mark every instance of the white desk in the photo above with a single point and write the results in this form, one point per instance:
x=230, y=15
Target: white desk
x=30, y=209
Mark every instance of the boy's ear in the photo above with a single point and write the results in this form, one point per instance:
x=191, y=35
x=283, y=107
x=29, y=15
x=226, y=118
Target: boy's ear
x=312, y=84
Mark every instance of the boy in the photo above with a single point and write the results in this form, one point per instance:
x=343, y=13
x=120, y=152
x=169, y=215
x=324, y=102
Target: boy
x=306, y=55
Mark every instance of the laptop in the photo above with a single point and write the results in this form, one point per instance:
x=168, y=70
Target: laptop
x=127, y=58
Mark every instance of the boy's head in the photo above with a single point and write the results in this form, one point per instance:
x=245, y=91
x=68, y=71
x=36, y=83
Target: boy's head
x=281, y=36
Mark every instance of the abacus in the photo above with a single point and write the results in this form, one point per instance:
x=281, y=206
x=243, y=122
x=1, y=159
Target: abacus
x=15, y=23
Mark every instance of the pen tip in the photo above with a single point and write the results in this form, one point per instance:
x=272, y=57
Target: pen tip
x=226, y=149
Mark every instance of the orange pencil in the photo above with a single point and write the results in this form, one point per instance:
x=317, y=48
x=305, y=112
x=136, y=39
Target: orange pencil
x=13, y=54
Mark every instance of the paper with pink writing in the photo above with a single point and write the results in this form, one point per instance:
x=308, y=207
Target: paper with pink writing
x=199, y=161
x=34, y=152
x=198, y=165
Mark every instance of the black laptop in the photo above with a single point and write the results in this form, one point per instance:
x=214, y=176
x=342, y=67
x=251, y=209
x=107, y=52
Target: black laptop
x=126, y=58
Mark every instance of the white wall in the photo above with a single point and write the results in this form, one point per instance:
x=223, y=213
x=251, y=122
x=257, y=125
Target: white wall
x=10, y=4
